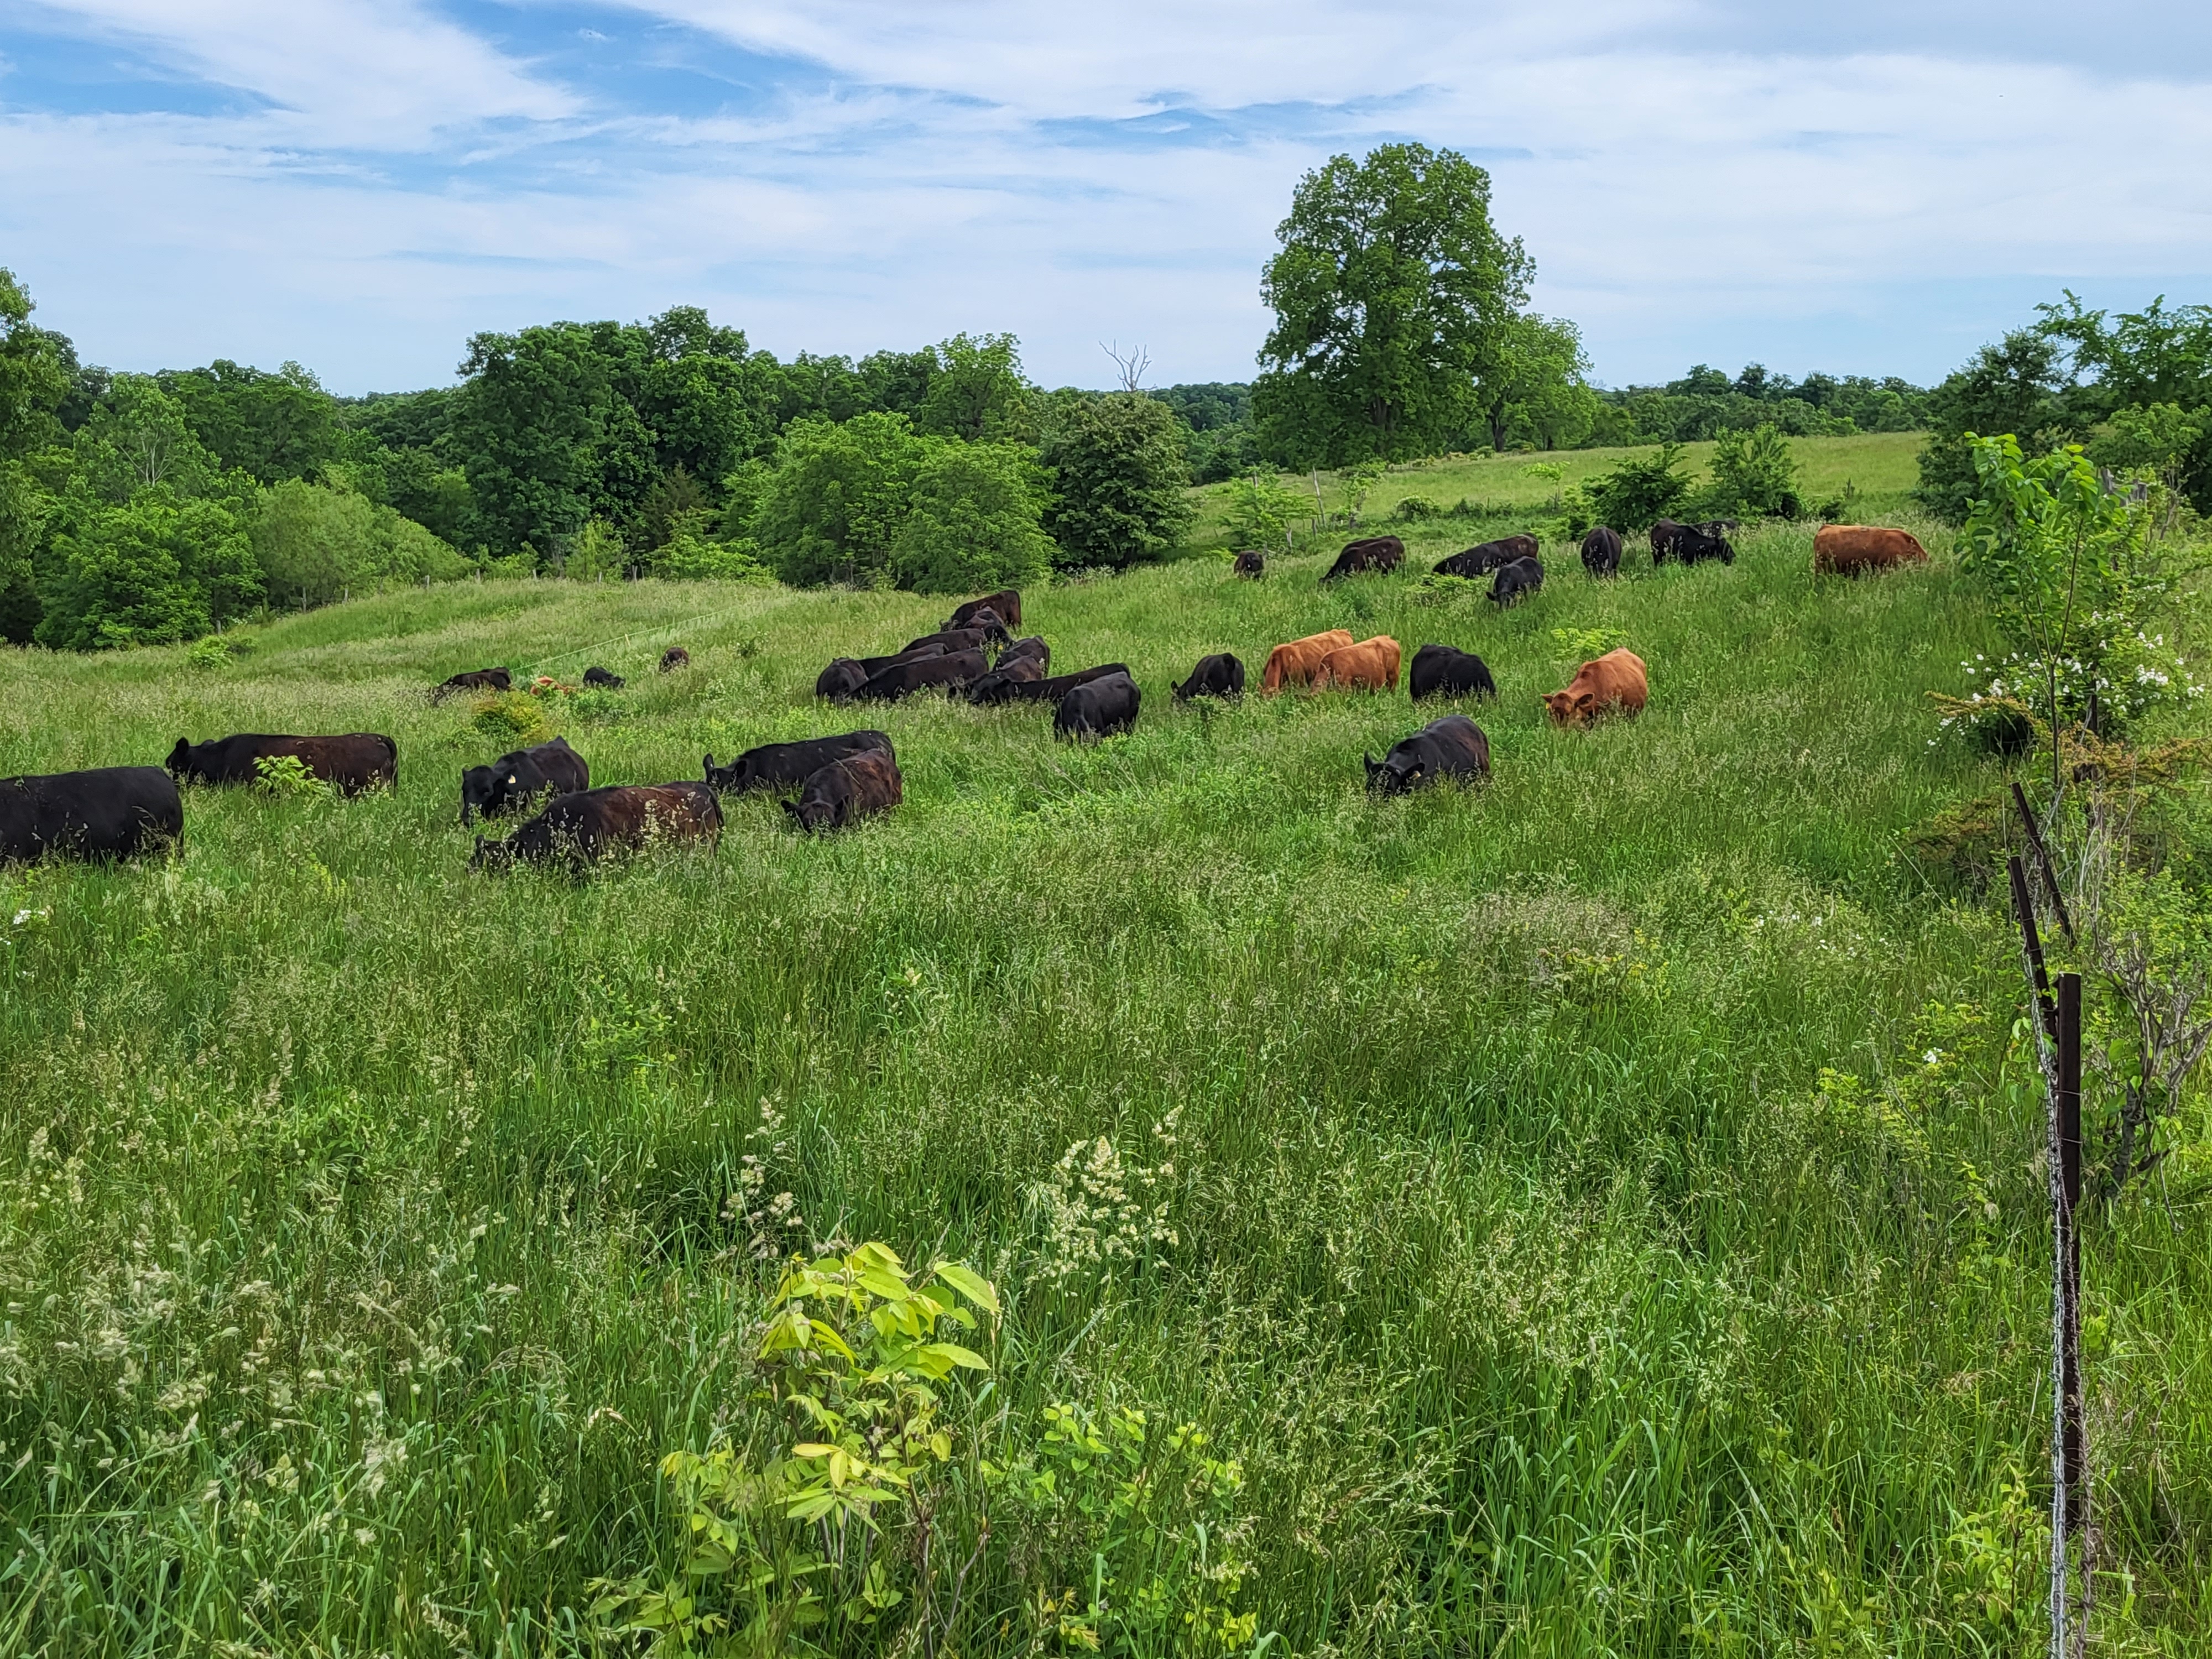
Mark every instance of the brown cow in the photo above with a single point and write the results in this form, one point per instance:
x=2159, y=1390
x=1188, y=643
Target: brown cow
x=1369, y=665
x=674, y=657
x=350, y=762
x=1293, y=663
x=1849, y=549
x=854, y=787
x=1006, y=603
x=584, y=826
x=1613, y=682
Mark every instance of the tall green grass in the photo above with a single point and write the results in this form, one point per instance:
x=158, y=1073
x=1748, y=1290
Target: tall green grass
x=1605, y=1203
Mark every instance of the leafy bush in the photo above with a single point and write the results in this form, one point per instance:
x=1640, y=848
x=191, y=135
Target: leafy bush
x=689, y=556
x=1121, y=481
x=156, y=571
x=316, y=544
x=1640, y=491
x=1260, y=510
x=286, y=775
x=1414, y=508
x=833, y=506
x=1754, y=477
x=972, y=521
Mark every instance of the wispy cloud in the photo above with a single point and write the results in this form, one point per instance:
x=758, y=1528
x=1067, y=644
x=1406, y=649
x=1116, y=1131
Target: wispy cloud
x=361, y=186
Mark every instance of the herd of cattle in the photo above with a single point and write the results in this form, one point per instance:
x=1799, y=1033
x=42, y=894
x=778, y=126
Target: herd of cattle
x=123, y=811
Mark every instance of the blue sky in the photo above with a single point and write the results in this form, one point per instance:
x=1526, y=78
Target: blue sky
x=360, y=184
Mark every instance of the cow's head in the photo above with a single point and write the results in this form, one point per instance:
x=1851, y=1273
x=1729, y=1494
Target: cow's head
x=181, y=756
x=476, y=791
x=1560, y=706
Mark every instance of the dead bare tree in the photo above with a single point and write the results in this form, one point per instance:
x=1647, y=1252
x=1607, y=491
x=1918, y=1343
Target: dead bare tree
x=1132, y=365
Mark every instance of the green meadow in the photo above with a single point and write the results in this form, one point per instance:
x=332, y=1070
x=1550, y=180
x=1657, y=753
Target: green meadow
x=1598, y=1213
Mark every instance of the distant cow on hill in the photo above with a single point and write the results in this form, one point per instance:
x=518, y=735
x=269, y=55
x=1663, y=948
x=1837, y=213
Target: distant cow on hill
x=1369, y=665
x=520, y=776
x=1452, y=747
x=786, y=765
x=580, y=827
x=1852, y=550
x=350, y=764
x=1098, y=709
x=1486, y=557
x=1251, y=563
x=1445, y=670
x=476, y=679
x=1005, y=604
x=1510, y=584
x=1293, y=662
x=1612, y=684
x=1376, y=553
x=1218, y=676
x=854, y=788
x=108, y=812
x=674, y=657
x=951, y=670
x=602, y=678
x=1602, y=551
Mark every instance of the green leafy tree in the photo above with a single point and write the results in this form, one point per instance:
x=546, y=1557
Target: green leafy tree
x=2016, y=385
x=1640, y=491
x=268, y=426
x=153, y=571
x=33, y=381
x=1120, y=479
x=978, y=393
x=1261, y=510
x=139, y=437
x=833, y=510
x=1393, y=297
x=1754, y=477
x=1532, y=380
x=973, y=520
x=316, y=544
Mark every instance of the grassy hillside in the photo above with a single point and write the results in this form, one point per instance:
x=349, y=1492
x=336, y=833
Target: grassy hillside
x=1880, y=468
x=1604, y=1207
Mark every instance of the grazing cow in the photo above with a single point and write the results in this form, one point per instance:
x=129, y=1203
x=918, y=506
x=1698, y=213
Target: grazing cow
x=351, y=764
x=674, y=657
x=1369, y=665
x=1852, y=549
x=1381, y=553
x=1005, y=682
x=108, y=812
x=1612, y=683
x=1452, y=747
x=1251, y=563
x=844, y=678
x=958, y=639
x=1028, y=646
x=1445, y=670
x=580, y=827
x=1510, y=584
x=1005, y=604
x=476, y=679
x=844, y=790
x=1602, y=551
x=1694, y=542
x=1486, y=557
x=1218, y=676
x=952, y=671
x=786, y=765
x=521, y=776
x=1047, y=690
x=600, y=677
x=1098, y=709
x=1293, y=662
x=1663, y=535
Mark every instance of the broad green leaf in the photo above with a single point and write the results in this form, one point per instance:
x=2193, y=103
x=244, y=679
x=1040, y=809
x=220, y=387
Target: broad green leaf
x=971, y=1283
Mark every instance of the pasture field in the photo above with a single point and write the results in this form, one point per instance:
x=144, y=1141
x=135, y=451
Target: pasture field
x=1597, y=1213
x=1882, y=468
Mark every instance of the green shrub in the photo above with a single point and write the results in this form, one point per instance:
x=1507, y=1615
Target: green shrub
x=1640, y=491
x=1120, y=479
x=1414, y=508
x=155, y=571
x=316, y=544
x=1754, y=477
x=972, y=521
x=834, y=507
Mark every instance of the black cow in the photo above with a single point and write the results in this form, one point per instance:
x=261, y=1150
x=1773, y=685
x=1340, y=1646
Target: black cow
x=1030, y=646
x=600, y=677
x=1380, y=553
x=844, y=790
x=1098, y=709
x=353, y=762
x=580, y=828
x=787, y=765
x=1445, y=670
x=519, y=777
x=108, y=812
x=1005, y=604
x=1250, y=564
x=952, y=670
x=1453, y=747
x=839, y=680
x=1003, y=683
x=674, y=657
x=1694, y=542
x=1511, y=583
x=1218, y=676
x=1602, y=551
x=1052, y=690
x=958, y=639
x=1663, y=536
x=1486, y=557
x=476, y=679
